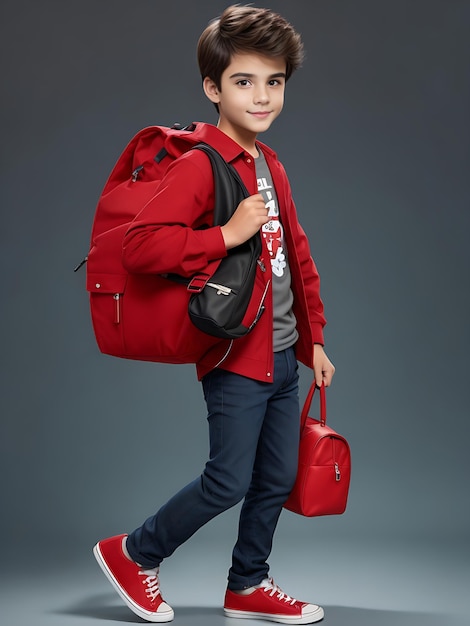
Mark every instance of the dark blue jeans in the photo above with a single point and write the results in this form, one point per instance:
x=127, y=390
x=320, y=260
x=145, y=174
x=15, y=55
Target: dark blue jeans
x=254, y=440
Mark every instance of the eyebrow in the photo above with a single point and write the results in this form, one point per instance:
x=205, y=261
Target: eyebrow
x=246, y=75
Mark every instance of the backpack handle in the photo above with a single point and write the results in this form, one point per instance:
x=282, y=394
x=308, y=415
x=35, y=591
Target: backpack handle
x=308, y=402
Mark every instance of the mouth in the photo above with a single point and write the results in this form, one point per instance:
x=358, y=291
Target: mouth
x=260, y=114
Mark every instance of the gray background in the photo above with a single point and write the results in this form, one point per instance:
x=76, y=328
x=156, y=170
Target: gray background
x=375, y=138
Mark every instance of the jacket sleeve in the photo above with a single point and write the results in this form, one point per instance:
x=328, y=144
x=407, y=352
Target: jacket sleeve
x=174, y=231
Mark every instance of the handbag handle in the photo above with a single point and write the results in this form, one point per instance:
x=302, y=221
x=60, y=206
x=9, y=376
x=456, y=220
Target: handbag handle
x=308, y=402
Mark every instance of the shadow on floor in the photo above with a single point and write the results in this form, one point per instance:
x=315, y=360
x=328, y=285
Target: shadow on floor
x=105, y=607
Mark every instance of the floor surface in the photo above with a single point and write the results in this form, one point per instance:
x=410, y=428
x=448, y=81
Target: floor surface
x=358, y=583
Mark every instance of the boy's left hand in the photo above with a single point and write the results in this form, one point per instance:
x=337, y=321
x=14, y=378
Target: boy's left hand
x=323, y=368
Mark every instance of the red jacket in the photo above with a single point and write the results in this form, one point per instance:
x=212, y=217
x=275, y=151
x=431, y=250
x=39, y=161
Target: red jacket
x=165, y=237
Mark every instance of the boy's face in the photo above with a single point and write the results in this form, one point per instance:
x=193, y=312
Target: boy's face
x=251, y=96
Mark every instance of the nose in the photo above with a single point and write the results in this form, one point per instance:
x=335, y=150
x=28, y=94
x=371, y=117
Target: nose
x=261, y=95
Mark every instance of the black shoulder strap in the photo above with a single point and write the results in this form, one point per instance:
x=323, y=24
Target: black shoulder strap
x=229, y=187
x=229, y=191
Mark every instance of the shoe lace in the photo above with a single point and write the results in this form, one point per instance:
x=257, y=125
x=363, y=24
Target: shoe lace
x=271, y=587
x=151, y=582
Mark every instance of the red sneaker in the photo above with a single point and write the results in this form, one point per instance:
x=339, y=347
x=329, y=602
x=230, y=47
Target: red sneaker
x=269, y=602
x=138, y=587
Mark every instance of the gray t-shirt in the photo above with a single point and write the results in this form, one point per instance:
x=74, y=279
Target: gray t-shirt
x=285, y=332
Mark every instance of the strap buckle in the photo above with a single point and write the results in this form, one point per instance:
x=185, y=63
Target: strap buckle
x=197, y=283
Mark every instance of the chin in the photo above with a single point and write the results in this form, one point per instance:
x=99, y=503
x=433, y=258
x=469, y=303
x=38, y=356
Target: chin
x=261, y=126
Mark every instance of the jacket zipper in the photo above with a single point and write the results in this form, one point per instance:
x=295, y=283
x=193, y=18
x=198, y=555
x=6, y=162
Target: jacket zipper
x=227, y=352
x=261, y=307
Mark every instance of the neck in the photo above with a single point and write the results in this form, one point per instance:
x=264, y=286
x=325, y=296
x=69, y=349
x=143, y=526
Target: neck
x=245, y=139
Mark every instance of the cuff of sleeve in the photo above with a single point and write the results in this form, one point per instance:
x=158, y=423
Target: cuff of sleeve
x=317, y=333
x=214, y=243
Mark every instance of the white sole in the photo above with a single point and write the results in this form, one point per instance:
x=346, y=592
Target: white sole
x=164, y=616
x=314, y=616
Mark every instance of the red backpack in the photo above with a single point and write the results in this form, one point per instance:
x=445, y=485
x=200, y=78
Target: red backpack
x=142, y=316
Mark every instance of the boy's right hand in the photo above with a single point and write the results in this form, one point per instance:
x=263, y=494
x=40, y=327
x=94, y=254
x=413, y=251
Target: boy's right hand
x=248, y=218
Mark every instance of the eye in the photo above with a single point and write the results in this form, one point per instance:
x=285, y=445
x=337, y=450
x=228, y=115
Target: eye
x=243, y=82
x=274, y=82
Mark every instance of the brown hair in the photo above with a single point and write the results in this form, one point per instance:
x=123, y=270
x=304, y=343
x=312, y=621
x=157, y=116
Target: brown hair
x=247, y=29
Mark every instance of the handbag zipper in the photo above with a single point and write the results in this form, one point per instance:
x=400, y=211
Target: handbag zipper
x=336, y=465
x=337, y=472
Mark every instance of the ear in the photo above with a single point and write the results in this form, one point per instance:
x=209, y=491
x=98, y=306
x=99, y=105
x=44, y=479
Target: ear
x=211, y=90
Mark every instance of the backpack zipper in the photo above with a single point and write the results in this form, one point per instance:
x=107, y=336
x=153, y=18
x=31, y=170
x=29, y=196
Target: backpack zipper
x=222, y=290
x=117, y=308
x=136, y=172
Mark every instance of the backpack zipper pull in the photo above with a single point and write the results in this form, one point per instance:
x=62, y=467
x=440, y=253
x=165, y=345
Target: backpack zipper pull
x=222, y=290
x=80, y=264
x=136, y=172
x=117, y=309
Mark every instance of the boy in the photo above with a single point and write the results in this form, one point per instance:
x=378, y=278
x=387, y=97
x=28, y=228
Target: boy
x=251, y=389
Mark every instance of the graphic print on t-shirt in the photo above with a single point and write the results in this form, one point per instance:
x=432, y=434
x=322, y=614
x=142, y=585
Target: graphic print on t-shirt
x=272, y=231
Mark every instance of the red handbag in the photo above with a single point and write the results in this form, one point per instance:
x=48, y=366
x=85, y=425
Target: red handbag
x=324, y=472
